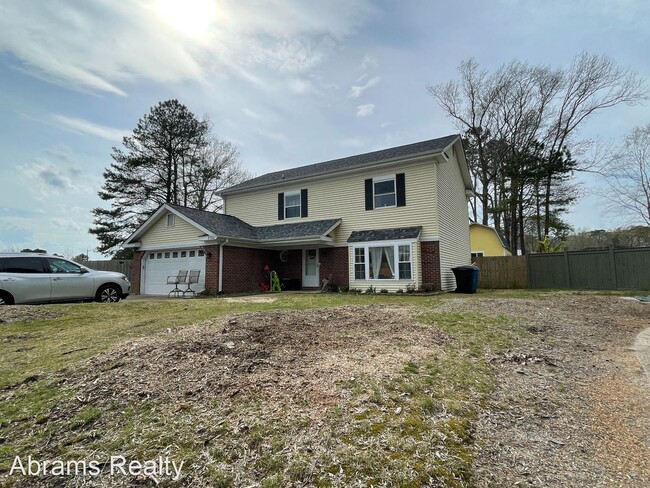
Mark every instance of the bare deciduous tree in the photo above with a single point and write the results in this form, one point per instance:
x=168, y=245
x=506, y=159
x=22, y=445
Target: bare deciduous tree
x=522, y=109
x=217, y=167
x=627, y=177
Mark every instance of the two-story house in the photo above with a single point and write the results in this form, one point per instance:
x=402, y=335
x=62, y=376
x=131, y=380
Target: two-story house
x=388, y=219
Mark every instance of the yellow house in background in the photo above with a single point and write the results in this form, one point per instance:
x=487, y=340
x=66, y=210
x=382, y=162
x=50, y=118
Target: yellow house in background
x=486, y=241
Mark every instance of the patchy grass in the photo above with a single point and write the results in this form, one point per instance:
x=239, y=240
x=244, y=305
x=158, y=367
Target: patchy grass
x=411, y=425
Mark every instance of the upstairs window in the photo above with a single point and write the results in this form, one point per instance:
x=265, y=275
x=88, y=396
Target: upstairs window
x=292, y=204
x=385, y=191
x=170, y=220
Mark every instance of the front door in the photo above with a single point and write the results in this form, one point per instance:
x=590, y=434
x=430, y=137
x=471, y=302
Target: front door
x=310, y=264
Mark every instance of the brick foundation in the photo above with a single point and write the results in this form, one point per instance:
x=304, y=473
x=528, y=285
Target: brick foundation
x=430, y=259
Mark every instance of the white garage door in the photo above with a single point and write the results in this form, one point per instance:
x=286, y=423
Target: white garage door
x=158, y=265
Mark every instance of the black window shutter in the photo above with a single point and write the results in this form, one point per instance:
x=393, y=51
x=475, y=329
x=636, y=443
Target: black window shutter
x=280, y=206
x=369, y=203
x=400, y=185
x=303, y=202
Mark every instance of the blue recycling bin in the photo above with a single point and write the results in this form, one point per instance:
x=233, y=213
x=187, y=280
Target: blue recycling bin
x=466, y=278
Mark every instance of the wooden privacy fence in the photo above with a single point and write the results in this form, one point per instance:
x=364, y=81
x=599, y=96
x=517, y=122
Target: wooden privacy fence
x=119, y=265
x=602, y=269
x=502, y=272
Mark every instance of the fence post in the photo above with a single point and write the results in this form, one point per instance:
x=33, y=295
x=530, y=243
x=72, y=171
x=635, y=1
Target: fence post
x=567, y=269
x=528, y=273
x=612, y=266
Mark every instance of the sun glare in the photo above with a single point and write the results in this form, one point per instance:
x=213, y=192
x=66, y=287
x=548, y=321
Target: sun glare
x=191, y=17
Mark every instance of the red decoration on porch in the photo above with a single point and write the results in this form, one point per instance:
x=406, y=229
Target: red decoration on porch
x=265, y=284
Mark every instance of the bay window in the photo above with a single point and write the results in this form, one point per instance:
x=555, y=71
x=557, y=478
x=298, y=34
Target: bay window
x=383, y=262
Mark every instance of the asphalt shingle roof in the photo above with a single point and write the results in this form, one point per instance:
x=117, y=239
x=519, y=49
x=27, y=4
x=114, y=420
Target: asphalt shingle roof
x=219, y=224
x=229, y=226
x=351, y=162
x=385, y=234
x=300, y=229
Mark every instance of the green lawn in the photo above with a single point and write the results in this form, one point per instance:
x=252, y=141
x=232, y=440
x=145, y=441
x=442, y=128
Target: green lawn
x=406, y=428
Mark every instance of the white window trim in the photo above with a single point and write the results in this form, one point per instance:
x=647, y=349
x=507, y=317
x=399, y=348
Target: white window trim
x=396, y=261
x=173, y=220
x=291, y=194
x=379, y=179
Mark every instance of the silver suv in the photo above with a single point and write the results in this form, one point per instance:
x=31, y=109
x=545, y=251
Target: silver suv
x=41, y=278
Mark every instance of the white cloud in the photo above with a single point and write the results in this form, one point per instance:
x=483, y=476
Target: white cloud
x=106, y=45
x=251, y=113
x=65, y=224
x=300, y=86
x=292, y=55
x=365, y=110
x=45, y=179
x=351, y=142
x=368, y=62
x=86, y=127
x=357, y=90
x=273, y=135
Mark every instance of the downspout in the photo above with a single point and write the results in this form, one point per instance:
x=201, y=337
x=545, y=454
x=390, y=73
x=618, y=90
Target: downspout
x=220, y=291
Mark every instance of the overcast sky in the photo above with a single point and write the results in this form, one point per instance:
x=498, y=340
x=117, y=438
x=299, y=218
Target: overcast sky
x=289, y=82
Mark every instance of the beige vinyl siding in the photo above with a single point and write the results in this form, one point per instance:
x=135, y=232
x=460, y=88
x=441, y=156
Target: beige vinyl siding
x=454, y=222
x=343, y=196
x=390, y=285
x=159, y=235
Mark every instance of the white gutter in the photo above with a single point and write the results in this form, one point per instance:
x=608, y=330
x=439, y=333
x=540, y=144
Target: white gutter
x=221, y=266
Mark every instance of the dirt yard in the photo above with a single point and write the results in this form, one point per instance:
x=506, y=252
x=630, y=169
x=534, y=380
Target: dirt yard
x=572, y=407
x=465, y=391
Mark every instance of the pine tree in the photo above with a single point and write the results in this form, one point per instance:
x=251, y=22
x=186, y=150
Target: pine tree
x=154, y=167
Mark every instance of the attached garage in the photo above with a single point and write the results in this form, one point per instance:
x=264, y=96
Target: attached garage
x=158, y=265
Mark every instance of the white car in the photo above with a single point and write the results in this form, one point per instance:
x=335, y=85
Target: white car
x=41, y=278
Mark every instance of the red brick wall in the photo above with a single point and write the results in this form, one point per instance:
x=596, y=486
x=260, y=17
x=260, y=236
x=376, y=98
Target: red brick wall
x=211, y=269
x=292, y=268
x=334, y=261
x=242, y=268
x=136, y=272
x=430, y=258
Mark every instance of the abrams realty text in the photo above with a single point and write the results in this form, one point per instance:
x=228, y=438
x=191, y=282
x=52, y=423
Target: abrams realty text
x=116, y=466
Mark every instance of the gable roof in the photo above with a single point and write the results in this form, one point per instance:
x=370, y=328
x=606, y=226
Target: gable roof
x=226, y=226
x=432, y=146
x=218, y=224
